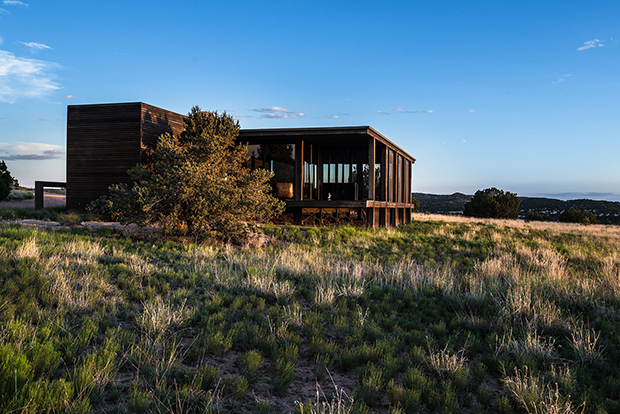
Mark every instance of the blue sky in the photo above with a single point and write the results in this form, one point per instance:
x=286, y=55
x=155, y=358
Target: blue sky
x=523, y=96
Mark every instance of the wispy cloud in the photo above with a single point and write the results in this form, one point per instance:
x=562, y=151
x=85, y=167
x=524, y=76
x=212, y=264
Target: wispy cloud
x=3, y=11
x=575, y=196
x=15, y=3
x=472, y=110
x=383, y=113
x=275, y=112
x=562, y=79
x=590, y=44
x=333, y=116
x=30, y=151
x=35, y=45
x=406, y=111
x=21, y=77
x=69, y=97
x=410, y=111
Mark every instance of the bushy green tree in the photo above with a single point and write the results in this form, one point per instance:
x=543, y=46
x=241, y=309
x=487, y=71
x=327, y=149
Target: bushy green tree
x=535, y=216
x=195, y=184
x=493, y=203
x=6, y=181
x=416, y=204
x=574, y=215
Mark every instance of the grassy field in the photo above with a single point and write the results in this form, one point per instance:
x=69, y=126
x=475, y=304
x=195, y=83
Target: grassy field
x=442, y=315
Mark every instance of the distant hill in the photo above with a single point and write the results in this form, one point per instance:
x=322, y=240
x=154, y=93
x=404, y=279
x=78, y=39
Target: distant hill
x=551, y=208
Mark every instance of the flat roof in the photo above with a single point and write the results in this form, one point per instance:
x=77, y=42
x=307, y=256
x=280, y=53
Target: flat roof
x=324, y=136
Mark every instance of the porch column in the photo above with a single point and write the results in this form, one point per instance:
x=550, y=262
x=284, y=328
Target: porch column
x=299, y=171
x=371, y=168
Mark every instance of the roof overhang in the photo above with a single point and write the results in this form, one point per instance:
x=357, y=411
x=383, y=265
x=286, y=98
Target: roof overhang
x=327, y=137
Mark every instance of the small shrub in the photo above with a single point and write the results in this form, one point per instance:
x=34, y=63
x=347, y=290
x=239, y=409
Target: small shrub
x=139, y=401
x=284, y=369
x=417, y=354
x=371, y=380
x=410, y=400
x=503, y=405
x=241, y=387
x=68, y=219
x=574, y=215
x=262, y=407
x=449, y=401
x=484, y=395
x=206, y=377
x=535, y=216
x=24, y=195
x=251, y=363
x=395, y=393
x=416, y=380
x=283, y=375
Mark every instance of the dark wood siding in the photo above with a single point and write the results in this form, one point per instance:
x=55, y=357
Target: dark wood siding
x=105, y=140
x=157, y=121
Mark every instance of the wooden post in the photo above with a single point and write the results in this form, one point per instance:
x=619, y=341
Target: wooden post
x=38, y=195
x=371, y=168
x=370, y=218
x=299, y=171
x=385, y=173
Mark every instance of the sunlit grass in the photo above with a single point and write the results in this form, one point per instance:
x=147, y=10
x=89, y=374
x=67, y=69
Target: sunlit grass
x=430, y=317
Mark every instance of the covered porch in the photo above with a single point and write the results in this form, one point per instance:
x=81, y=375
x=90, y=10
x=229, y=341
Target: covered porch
x=330, y=172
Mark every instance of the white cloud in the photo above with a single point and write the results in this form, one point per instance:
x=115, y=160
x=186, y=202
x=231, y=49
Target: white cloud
x=3, y=11
x=383, y=113
x=408, y=111
x=590, y=44
x=30, y=151
x=562, y=79
x=333, y=116
x=35, y=45
x=21, y=77
x=15, y=3
x=276, y=112
x=69, y=97
x=472, y=110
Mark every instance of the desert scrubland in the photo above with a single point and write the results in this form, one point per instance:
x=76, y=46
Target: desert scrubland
x=443, y=315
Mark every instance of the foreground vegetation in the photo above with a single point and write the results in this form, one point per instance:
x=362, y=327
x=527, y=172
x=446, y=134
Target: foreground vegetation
x=437, y=316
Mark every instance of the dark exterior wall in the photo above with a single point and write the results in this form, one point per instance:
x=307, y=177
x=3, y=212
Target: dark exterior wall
x=105, y=140
x=157, y=121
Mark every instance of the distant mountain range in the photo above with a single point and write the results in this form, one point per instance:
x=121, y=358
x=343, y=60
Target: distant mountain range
x=551, y=208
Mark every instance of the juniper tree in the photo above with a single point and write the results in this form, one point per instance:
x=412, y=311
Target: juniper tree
x=6, y=181
x=195, y=183
x=493, y=203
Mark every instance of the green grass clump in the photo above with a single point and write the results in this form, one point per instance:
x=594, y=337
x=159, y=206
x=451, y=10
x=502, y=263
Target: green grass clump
x=18, y=196
x=48, y=213
x=251, y=363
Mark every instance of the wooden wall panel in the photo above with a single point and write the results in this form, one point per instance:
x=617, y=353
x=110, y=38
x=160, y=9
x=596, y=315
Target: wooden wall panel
x=105, y=140
x=157, y=121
